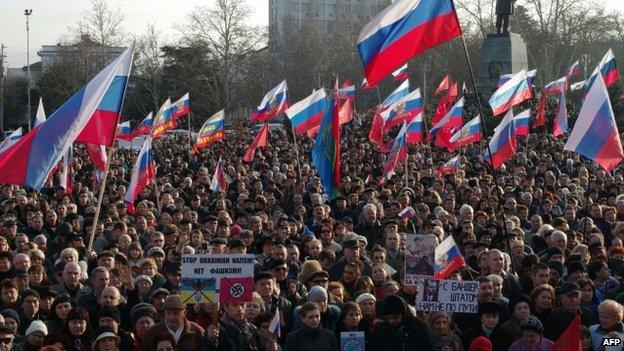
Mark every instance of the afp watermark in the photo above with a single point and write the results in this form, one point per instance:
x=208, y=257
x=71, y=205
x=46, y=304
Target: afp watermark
x=611, y=342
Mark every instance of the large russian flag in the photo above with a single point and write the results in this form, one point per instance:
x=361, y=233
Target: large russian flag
x=403, y=30
x=182, y=106
x=164, y=120
x=448, y=258
x=513, y=92
x=398, y=153
x=30, y=161
x=11, y=139
x=212, y=131
x=143, y=172
x=274, y=103
x=415, y=129
x=403, y=110
x=124, y=131
x=503, y=142
x=595, y=134
x=557, y=87
x=522, y=122
x=145, y=127
x=452, y=119
x=470, y=133
x=308, y=113
x=560, y=123
x=102, y=125
x=97, y=155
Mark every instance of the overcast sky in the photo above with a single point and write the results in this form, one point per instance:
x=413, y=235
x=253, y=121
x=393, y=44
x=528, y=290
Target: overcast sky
x=51, y=18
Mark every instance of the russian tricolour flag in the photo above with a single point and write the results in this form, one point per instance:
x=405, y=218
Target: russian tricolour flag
x=415, y=129
x=11, y=139
x=451, y=166
x=595, y=134
x=403, y=110
x=513, y=92
x=608, y=69
x=398, y=153
x=164, y=120
x=347, y=91
x=448, y=258
x=275, y=327
x=574, y=70
x=30, y=161
x=503, y=142
x=560, y=123
x=403, y=30
x=470, y=133
x=181, y=107
x=452, y=119
x=522, y=122
x=407, y=213
x=41, y=116
x=145, y=127
x=400, y=92
x=218, y=182
x=124, y=131
x=400, y=74
x=143, y=172
x=557, y=87
x=212, y=131
x=507, y=77
x=274, y=103
x=308, y=113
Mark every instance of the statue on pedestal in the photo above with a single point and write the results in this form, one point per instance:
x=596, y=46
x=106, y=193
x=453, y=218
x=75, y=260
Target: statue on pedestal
x=504, y=9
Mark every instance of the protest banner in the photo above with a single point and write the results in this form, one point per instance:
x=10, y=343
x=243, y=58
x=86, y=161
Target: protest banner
x=447, y=295
x=204, y=275
x=419, y=257
x=352, y=341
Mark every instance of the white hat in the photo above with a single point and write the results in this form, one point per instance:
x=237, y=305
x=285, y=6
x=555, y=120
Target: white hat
x=364, y=297
x=37, y=326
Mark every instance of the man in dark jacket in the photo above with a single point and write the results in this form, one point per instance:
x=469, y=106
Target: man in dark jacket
x=234, y=333
x=188, y=336
x=312, y=336
x=561, y=317
x=400, y=329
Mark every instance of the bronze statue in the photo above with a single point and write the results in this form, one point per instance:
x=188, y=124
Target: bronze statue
x=504, y=9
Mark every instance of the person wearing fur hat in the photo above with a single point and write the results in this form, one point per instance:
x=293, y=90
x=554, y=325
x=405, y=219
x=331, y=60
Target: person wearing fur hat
x=399, y=328
x=143, y=317
x=489, y=326
x=329, y=313
x=532, y=338
x=440, y=323
x=520, y=307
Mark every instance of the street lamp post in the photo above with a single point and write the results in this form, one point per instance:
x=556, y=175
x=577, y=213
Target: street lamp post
x=27, y=13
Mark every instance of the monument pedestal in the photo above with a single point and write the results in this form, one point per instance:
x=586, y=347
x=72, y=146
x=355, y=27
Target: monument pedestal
x=502, y=54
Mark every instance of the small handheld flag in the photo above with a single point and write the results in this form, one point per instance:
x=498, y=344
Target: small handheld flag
x=448, y=258
x=276, y=324
x=273, y=104
x=212, y=131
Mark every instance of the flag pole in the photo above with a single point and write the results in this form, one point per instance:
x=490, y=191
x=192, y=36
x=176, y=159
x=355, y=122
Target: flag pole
x=189, y=131
x=489, y=151
x=109, y=156
x=292, y=128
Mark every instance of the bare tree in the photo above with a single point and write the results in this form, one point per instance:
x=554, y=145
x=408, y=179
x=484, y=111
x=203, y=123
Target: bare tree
x=148, y=70
x=102, y=24
x=225, y=30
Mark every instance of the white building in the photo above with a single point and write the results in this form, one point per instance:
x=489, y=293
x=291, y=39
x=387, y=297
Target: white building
x=50, y=53
x=323, y=12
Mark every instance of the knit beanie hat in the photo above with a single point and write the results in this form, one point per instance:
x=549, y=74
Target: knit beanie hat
x=480, y=344
x=532, y=323
x=317, y=293
x=37, y=326
x=365, y=296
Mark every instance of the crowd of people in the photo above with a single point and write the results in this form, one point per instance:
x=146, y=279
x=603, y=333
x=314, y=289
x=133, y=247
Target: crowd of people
x=543, y=239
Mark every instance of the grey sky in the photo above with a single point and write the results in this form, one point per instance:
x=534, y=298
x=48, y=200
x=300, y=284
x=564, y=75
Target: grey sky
x=51, y=18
